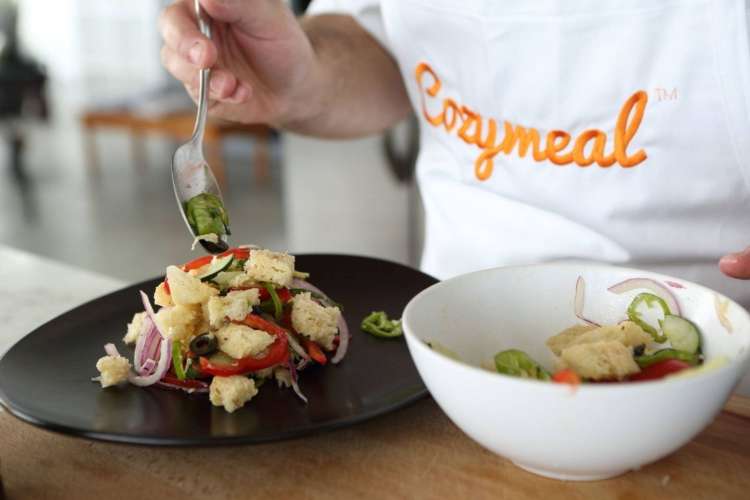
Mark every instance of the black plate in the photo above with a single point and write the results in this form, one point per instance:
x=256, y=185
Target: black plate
x=45, y=379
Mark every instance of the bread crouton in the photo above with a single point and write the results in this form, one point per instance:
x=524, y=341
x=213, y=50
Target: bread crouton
x=603, y=360
x=272, y=267
x=162, y=298
x=567, y=337
x=187, y=289
x=232, y=392
x=180, y=322
x=627, y=333
x=240, y=341
x=314, y=321
x=134, y=328
x=234, y=306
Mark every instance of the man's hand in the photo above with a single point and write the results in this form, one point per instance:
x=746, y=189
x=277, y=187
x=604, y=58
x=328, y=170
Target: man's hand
x=259, y=57
x=325, y=76
x=736, y=265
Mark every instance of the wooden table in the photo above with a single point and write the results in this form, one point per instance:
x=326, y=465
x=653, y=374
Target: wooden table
x=413, y=453
x=177, y=126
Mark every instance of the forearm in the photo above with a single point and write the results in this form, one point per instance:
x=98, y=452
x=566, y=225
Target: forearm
x=354, y=87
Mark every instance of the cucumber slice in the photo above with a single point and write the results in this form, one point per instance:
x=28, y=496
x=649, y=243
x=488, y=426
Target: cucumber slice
x=220, y=358
x=224, y=278
x=216, y=266
x=681, y=333
x=646, y=360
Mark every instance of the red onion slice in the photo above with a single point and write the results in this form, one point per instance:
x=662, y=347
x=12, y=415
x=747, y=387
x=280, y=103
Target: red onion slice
x=111, y=350
x=296, y=347
x=190, y=390
x=147, y=346
x=150, y=311
x=140, y=343
x=343, y=340
x=302, y=364
x=651, y=285
x=674, y=284
x=154, y=342
x=298, y=283
x=151, y=351
x=306, y=285
x=579, y=299
x=295, y=385
x=161, y=368
x=148, y=367
x=721, y=307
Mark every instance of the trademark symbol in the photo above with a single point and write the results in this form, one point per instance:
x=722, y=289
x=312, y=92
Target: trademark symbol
x=664, y=94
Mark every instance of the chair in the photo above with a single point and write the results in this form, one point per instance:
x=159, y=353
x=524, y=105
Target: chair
x=177, y=126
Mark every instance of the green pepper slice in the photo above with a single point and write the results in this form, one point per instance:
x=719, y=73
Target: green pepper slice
x=378, y=324
x=267, y=307
x=177, y=364
x=664, y=354
x=519, y=364
x=649, y=299
x=278, y=307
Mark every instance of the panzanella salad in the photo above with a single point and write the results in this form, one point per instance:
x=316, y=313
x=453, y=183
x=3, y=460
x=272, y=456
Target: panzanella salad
x=226, y=324
x=652, y=341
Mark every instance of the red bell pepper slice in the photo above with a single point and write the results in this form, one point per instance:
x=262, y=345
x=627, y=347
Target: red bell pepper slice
x=239, y=253
x=278, y=352
x=660, y=370
x=259, y=323
x=286, y=318
x=315, y=352
x=197, y=263
x=284, y=295
x=566, y=377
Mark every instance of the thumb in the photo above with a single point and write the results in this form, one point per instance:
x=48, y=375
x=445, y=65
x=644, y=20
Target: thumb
x=736, y=265
x=258, y=18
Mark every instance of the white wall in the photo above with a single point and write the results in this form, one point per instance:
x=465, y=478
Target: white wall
x=85, y=40
x=340, y=197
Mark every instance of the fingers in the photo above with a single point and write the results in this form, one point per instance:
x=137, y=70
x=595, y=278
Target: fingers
x=186, y=50
x=222, y=107
x=181, y=34
x=736, y=265
x=223, y=85
x=178, y=67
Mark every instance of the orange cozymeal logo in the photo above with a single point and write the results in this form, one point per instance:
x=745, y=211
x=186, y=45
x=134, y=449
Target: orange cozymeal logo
x=473, y=128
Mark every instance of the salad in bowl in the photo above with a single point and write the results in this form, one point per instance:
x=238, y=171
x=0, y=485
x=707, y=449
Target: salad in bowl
x=651, y=341
x=648, y=363
x=227, y=324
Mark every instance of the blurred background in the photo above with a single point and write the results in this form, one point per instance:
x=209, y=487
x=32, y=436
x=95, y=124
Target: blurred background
x=88, y=124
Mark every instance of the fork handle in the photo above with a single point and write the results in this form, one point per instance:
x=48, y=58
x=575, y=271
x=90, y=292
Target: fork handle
x=200, y=119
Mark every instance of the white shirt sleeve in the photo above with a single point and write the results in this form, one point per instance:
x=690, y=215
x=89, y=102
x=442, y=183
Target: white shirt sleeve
x=366, y=12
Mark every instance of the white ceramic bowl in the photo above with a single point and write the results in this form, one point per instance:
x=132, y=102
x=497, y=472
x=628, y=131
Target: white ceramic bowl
x=595, y=431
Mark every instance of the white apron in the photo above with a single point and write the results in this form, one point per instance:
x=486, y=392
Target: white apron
x=610, y=131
